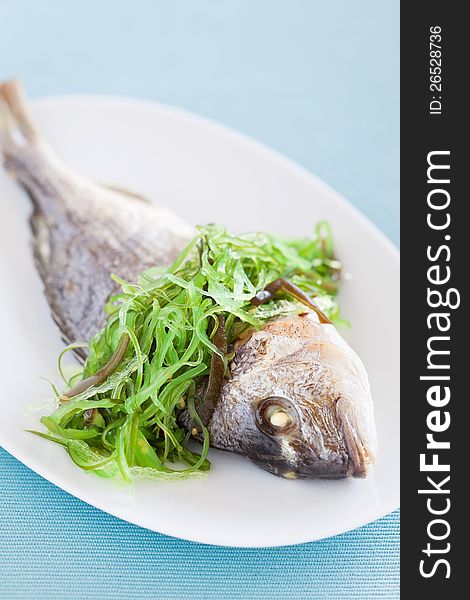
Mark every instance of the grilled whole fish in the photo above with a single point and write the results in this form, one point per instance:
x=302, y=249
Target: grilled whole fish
x=298, y=403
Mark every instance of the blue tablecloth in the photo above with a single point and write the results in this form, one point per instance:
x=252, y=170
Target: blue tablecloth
x=317, y=81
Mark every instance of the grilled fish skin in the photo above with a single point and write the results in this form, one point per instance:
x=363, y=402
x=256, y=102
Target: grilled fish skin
x=298, y=403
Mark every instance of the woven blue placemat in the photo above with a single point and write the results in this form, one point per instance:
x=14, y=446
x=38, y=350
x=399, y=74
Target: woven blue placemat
x=54, y=546
x=316, y=80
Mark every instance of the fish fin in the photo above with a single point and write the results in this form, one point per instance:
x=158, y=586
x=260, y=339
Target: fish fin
x=13, y=97
x=15, y=117
x=7, y=125
x=18, y=136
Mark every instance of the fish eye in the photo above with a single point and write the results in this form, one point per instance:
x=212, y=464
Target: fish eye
x=276, y=415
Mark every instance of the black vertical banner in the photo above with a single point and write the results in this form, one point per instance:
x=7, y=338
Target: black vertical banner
x=435, y=325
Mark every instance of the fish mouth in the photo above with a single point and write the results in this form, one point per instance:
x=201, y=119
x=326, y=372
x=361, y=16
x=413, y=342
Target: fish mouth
x=313, y=468
x=290, y=457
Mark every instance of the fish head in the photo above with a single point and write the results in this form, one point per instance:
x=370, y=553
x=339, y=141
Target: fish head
x=298, y=403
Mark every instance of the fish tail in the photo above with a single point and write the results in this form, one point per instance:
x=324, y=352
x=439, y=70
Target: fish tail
x=15, y=121
x=20, y=143
x=23, y=152
x=6, y=126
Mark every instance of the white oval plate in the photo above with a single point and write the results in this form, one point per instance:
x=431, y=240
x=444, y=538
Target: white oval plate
x=206, y=173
